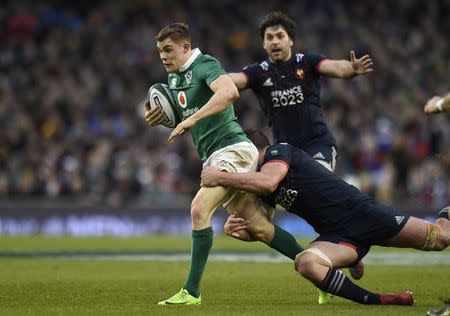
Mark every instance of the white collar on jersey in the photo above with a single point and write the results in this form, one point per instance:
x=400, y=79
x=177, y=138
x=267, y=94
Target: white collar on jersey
x=195, y=53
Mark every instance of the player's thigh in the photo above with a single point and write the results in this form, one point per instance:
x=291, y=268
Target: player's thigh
x=248, y=206
x=207, y=200
x=412, y=235
x=340, y=255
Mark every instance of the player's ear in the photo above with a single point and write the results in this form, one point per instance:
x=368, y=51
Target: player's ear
x=291, y=42
x=186, y=47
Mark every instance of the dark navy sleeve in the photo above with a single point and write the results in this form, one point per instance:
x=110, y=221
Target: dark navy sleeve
x=253, y=73
x=313, y=60
x=279, y=153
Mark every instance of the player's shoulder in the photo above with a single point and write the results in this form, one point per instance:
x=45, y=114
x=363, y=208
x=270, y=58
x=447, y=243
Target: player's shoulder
x=205, y=58
x=260, y=66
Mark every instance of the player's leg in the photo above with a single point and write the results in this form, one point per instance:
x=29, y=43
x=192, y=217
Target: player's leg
x=203, y=206
x=319, y=263
x=249, y=207
x=423, y=235
x=258, y=216
x=326, y=156
x=239, y=157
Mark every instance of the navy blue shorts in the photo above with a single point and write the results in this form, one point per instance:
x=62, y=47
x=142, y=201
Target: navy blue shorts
x=371, y=224
x=322, y=152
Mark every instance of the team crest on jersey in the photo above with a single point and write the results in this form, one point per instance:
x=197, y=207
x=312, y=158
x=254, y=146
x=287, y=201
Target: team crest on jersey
x=188, y=76
x=300, y=73
x=182, y=101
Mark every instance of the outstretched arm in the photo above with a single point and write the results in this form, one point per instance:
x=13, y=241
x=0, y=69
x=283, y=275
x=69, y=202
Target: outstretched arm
x=225, y=93
x=438, y=104
x=346, y=69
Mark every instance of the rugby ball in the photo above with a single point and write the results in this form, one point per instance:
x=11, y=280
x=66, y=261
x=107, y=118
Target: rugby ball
x=159, y=95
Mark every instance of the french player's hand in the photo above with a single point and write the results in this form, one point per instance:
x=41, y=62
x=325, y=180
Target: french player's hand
x=153, y=116
x=181, y=128
x=234, y=225
x=210, y=176
x=362, y=65
x=430, y=106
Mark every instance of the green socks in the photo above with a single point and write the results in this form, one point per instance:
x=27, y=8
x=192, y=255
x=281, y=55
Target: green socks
x=201, y=245
x=285, y=243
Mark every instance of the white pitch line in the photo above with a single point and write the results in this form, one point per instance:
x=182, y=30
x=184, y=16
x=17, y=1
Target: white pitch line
x=375, y=258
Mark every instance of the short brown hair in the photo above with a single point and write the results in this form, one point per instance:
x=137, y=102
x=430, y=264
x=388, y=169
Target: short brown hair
x=175, y=31
x=258, y=138
x=278, y=18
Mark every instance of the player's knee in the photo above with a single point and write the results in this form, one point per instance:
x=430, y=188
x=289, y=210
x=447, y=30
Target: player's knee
x=198, y=214
x=306, y=265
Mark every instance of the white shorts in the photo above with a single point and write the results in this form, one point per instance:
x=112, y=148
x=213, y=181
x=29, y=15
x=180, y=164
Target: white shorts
x=237, y=158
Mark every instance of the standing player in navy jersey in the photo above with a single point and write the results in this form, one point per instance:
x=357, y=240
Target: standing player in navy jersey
x=349, y=222
x=287, y=86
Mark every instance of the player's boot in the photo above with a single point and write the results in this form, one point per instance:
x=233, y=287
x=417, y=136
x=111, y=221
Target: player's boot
x=402, y=298
x=444, y=213
x=357, y=271
x=324, y=297
x=440, y=311
x=182, y=298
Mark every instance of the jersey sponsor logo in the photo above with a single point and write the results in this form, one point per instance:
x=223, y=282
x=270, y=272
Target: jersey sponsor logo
x=189, y=112
x=268, y=82
x=299, y=57
x=287, y=97
x=300, y=73
x=182, y=99
x=274, y=152
x=188, y=76
x=264, y=65
x=399, y=219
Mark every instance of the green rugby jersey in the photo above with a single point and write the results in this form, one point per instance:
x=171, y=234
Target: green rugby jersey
x=190, y=87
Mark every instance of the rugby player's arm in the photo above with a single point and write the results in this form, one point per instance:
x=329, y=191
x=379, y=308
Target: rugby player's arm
x=240, y=80
x=263, y=182
x=346, y=69
x=225, y=93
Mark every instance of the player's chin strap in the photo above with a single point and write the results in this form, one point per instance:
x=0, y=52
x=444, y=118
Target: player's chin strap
x=433, y=233
x=316, y=252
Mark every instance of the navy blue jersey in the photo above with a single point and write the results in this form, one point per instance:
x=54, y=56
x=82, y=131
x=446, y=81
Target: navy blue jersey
x=313, y=192
x=289, y=93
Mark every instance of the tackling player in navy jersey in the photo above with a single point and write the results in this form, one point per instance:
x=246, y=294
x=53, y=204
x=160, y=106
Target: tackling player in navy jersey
x=349, y=222
x=287, y=86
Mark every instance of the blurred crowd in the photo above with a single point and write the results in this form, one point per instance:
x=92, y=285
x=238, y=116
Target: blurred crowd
x=73, y=78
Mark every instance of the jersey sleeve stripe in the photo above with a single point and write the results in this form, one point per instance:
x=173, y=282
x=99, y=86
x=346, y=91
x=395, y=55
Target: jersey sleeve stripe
x=319, y=63
x=347, y=244
x=279, y=161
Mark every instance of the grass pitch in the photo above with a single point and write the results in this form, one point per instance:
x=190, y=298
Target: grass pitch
x=46, y=286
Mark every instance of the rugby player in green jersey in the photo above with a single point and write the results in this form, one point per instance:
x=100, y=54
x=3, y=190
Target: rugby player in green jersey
x=204, y=96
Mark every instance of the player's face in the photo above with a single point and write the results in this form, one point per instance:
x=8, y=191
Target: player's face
x=173, y=54
x=277, y=43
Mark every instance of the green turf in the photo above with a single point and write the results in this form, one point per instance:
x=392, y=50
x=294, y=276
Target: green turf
x=107, y=287
x=154, y=243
